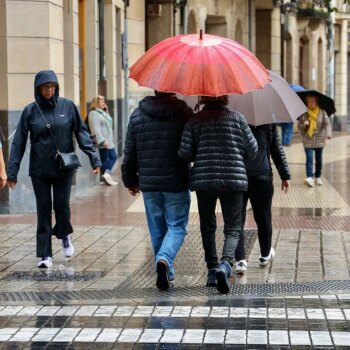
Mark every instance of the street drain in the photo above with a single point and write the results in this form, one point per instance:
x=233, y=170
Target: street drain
x=52, y=276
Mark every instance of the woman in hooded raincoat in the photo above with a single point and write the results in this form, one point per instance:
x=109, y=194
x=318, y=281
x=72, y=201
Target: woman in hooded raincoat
x=65, y=121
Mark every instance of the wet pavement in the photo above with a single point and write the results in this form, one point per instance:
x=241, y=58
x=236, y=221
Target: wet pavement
x=105, y=297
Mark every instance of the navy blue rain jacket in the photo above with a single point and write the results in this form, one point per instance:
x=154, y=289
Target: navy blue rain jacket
x=64, y=117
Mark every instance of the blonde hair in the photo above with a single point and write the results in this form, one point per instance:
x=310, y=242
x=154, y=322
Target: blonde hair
x=96, y=102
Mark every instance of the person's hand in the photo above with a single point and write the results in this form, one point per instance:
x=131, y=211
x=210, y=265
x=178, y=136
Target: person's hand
x=106, y=144
x=3, y=179
x=134, y=190
x=11, y=184
x=306, y=122
x=97, y=170
x=285, y=186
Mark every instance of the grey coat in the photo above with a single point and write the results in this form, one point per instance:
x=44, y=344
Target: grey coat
x=323, y=130
x=99, y=129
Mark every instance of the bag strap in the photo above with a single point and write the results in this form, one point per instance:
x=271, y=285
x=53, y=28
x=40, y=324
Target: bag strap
x=48, y=125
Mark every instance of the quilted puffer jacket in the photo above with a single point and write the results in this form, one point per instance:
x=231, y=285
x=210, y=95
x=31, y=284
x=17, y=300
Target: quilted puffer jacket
x=269, y=146
x=217, y=141
x=152, y=142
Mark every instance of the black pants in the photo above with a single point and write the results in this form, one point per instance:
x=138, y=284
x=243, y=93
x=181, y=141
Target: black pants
x=61, y=189
x=231, y=205
x=260, y=193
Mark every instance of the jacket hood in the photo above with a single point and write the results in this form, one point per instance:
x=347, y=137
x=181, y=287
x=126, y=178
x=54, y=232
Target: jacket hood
x=163, y=106
x=43, y=77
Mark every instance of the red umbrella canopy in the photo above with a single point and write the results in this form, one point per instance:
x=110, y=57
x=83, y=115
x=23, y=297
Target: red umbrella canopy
x=206, y=65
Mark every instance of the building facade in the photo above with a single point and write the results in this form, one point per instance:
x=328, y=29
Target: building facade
x=90, y=44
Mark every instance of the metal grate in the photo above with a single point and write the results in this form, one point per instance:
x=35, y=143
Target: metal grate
x=52, y=276
x=263, y=289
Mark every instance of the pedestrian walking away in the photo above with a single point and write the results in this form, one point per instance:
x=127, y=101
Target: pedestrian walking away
x=3, y=175
x=101, y=126
x=261, y=190
x=217, y=140
x=51, y=122
x=151, y=165
x=315, y=128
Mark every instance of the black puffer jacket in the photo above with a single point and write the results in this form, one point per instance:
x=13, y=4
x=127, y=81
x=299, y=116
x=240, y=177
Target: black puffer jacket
x=218, y=140
x=152, y=141
x=64, y=117
x=269, y=144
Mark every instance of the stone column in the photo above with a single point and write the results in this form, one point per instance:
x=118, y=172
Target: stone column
x=268, y=38
x=341, y=63
x=276, y=40
x=31, y=40
x=71, y=51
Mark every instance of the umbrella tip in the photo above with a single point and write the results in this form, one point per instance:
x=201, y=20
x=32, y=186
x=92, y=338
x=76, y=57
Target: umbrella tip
x=201, y=34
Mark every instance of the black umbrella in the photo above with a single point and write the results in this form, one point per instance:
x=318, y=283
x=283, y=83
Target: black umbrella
x=325, y=102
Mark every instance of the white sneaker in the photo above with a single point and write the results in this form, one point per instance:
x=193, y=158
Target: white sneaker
x=109, y=180
x=67, y=247
x=45, y=263
x=263, y=261
x=241, y=266
x=309, y=181
x=319, y=181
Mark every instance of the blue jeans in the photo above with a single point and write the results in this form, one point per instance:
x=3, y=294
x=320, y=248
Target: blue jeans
x=167, y=218
x=108, y=159
x=310, y=161
x=287, y=133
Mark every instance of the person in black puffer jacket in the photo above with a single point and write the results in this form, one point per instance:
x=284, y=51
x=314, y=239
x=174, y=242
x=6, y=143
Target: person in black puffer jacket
x=151, y=165
x=260, y=192
x=218, y=141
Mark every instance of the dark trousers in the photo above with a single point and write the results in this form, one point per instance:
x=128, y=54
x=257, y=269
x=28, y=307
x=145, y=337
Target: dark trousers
x=231, y=206
x=108, y=158
x=310, y=161
x=260, y=193
x=60, y=187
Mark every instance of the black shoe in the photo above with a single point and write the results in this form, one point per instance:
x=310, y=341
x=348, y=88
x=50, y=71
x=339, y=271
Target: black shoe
x=223, y=274
x=212, y=281
x=163, y=282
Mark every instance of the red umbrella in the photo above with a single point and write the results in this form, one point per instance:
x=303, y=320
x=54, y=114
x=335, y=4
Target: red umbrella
x=206, y=65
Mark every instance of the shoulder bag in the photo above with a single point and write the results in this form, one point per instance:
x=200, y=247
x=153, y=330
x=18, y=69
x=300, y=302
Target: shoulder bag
x=66, y=161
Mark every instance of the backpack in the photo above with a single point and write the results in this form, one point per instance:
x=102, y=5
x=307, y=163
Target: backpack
x=261, y=164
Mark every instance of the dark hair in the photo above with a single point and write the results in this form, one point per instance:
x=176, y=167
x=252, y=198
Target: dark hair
x=211, y=99
x=159, y=93
x=314, y=96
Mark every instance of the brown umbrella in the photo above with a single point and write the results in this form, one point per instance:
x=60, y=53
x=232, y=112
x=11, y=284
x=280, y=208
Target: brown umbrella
x=274, y=103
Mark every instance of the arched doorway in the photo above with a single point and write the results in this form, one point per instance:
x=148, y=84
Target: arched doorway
x=289, y=58
x=320, y=66
x=304, y=62
x=192, y=23
x=239, y=32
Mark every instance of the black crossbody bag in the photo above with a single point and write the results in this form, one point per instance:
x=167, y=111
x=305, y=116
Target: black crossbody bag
x=66, y=161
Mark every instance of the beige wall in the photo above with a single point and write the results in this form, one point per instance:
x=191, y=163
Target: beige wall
x=341, y=66
x=234, y=13
x=3, y=58
x=313, y=33
x=34, y=42
x=136, y=35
